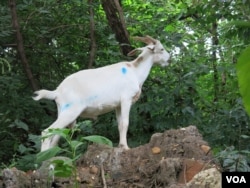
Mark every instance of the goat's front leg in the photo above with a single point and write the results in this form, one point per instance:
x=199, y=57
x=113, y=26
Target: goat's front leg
x=122, y=115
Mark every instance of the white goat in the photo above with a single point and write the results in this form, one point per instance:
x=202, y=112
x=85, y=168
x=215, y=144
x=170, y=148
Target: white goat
x=92, y=92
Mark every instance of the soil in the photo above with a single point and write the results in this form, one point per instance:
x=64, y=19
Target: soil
x=174, y=159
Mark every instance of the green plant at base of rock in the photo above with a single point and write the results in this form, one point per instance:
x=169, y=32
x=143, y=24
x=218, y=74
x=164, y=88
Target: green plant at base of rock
x=67, y=168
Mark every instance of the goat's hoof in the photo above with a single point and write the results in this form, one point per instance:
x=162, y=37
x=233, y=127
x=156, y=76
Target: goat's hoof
x=123, y=147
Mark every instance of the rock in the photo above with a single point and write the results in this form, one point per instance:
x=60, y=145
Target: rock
x=160, y=161
x=210, y=178
x=13, y=178
x=190, y=168
x=175, y=159
x=93, y=170
x=44, y=176
x=183, y=143
x=168, y=171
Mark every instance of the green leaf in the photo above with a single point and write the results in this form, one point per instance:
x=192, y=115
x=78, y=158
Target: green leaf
x=245, y=136
x=20, y=124
x=63, y=168
x=76, y=157
x=64, y=171
x=169, y=28
x=64, y=133
x=243, y=67
x=247, y=152
x=98, y=139
x=22, y=148
x=47, y=154
x=75, y=144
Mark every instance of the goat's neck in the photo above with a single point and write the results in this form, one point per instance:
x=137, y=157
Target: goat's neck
x=143, y=65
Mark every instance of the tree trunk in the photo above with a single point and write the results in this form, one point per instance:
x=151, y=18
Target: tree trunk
x=116, y=21
x=92, y=34
x=20, y=46
x=215, y=43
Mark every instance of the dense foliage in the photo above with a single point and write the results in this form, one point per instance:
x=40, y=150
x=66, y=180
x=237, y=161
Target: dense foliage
x=200, y=87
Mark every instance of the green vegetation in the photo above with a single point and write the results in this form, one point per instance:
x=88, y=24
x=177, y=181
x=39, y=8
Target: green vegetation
x=66, y=167
x=200, y=87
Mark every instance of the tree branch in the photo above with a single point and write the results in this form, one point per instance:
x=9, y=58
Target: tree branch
x=92, y=35
x=20, y=46
x=116, y=21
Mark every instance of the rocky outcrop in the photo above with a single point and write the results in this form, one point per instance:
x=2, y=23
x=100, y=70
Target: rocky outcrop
x=174, y=158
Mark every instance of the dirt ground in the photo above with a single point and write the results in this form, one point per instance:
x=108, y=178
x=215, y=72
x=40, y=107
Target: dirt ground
x=175, y=159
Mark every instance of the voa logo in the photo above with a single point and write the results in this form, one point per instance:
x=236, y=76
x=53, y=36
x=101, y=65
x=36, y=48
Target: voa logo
x=236, y=179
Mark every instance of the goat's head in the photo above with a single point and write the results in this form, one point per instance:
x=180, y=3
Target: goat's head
x=160, y=55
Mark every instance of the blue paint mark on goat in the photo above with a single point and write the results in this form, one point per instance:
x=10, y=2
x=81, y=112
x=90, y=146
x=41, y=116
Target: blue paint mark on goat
x=91, y=98
x=88, y=100
x=124, y=70
x=66, y=106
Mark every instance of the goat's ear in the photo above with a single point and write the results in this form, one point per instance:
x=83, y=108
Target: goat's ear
x=151, y=47
x=147, y=39
x=133, y=52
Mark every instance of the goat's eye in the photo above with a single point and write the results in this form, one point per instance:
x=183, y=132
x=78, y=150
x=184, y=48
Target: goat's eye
x=162, y=49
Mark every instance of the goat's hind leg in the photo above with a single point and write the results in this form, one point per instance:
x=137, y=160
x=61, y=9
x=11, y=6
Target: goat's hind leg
x=63, y=120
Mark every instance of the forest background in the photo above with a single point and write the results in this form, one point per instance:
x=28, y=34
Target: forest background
x=43, y=41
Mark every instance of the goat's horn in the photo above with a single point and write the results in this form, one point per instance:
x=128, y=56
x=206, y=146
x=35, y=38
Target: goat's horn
x=147, y=39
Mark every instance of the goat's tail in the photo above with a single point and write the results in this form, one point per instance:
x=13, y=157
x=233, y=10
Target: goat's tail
x=44, y=94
